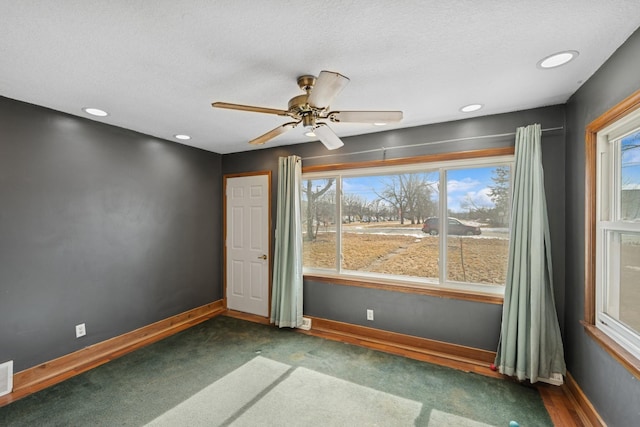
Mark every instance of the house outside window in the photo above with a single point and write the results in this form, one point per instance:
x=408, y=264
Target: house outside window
x=383, y=223
x=617, y=275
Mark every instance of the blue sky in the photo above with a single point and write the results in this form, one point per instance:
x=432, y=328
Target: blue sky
x=463, y=184
x=631, y=162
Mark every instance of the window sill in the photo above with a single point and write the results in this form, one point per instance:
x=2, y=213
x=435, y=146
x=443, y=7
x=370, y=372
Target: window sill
x=625, y=358
x=393, y=286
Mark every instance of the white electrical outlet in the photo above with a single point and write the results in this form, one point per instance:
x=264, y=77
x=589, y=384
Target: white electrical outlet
x=81, y=330
x=369, y=314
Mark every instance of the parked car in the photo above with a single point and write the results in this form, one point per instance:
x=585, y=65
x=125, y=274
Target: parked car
x=432, y=226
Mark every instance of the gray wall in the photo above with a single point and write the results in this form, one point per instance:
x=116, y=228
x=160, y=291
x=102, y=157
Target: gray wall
x=98, y=225
x=459, y=322
x=614, y=392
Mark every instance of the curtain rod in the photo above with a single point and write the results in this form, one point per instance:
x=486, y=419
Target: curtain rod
x=444, y=141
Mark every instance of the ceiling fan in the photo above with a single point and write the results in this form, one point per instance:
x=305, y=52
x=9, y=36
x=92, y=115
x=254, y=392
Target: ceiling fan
x=312, y=108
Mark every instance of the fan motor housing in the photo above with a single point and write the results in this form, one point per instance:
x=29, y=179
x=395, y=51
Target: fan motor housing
x=298, y=105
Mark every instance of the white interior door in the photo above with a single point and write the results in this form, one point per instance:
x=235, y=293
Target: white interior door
x=247, y=244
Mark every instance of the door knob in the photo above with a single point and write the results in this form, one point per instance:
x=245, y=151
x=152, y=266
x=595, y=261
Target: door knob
x=264, y=256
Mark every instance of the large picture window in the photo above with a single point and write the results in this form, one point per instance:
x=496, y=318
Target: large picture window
x=386, y=223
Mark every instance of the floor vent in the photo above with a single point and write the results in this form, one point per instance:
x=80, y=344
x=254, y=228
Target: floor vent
x=6, y=377
x=306, y=324
x=555, y=379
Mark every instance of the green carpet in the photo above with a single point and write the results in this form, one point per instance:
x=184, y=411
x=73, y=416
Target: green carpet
x=230, y=372
x=254, y=394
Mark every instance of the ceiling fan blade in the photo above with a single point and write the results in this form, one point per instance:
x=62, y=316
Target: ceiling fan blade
x=327, y=136
x=365, y=116
x=249, y=108
x=273, y=133
x=328, y=85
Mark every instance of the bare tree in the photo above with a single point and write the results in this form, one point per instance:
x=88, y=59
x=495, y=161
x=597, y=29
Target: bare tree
x=377, y=209
x=409, y=193
x=500, y=194
x=312, y=202
x=476, y=210
x=424, y=205
x=352, y=206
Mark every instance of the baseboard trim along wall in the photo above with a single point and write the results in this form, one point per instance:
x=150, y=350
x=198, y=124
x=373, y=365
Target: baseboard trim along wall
x=55, y=371
x=441, y=353
x=585, y=408
x=263, y=320
x=566, y=404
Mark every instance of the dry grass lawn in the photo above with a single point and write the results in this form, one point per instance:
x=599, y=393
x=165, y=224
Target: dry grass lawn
x=470, y=259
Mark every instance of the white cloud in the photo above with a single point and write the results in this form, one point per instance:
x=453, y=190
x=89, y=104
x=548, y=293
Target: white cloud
x=479, y=198
x=631, y=157
x=462, y=185
x=485, y=195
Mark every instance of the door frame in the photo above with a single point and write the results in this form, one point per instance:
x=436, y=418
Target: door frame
x=225, y=177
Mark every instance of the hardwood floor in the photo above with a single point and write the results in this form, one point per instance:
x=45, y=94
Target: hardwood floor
x=562, y=409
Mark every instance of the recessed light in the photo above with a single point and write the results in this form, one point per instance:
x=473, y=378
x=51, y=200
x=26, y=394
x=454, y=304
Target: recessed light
x=95, y=112
x=557, y=59
x=471, y=107
x=379, y=124
x=310, y=134
x=182, y=137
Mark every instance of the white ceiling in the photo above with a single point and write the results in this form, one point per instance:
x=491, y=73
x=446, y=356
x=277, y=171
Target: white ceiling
x=156, y=66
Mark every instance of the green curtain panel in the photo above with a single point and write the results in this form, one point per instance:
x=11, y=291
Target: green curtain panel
x=530, y=342
x=286, y=294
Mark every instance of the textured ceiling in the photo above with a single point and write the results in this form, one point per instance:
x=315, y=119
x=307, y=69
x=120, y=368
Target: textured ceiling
x=157, y=66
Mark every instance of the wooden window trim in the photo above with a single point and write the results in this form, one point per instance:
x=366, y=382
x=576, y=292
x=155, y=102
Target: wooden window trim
x=417, y=289
x=616, y=351
x=617, y=112
x=431, y=158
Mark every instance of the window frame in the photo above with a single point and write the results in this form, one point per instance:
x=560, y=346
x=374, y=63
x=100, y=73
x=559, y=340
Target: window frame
x=615, y=118
x=475, y=158
x=611, y=227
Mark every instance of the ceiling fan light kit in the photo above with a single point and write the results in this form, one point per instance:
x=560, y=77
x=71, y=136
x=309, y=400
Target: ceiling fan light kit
x=314, y=105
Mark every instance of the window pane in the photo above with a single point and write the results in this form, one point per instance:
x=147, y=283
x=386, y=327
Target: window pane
x=319, y=223
x=381, y=224
x=478, y=225
x=623, y=302
x=630, y=177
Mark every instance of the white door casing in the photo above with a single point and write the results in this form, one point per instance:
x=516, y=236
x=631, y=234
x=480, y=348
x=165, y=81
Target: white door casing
x=247, y=244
